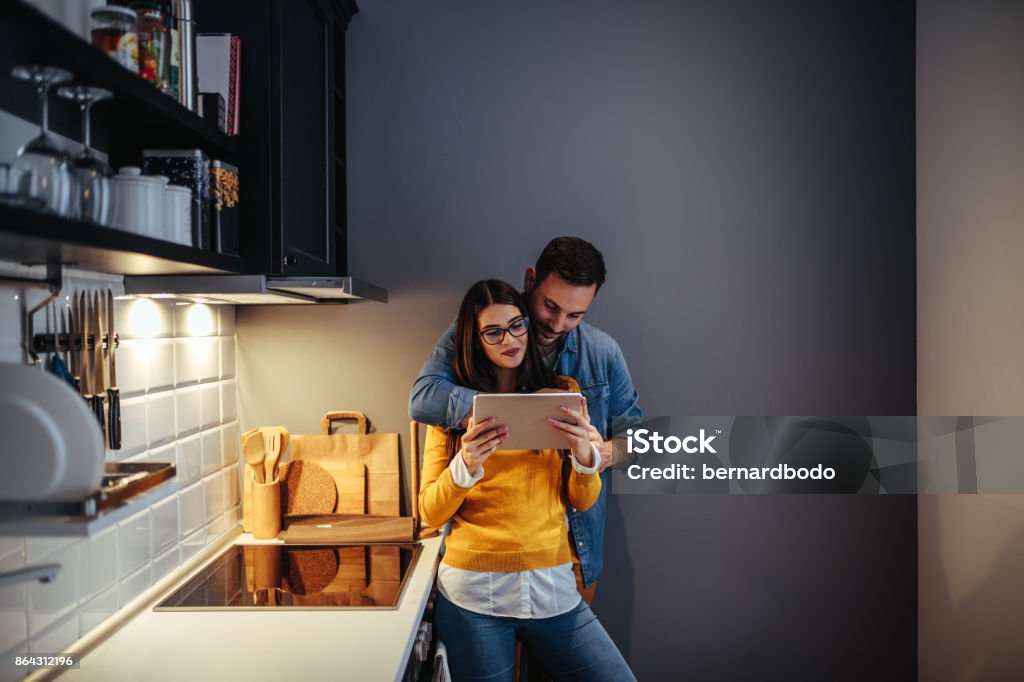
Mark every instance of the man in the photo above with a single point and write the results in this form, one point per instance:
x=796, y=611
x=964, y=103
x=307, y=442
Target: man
x=559, y=290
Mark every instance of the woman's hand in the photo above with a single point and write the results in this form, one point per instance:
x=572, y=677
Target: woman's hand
x=580, y=433
x=480, y=441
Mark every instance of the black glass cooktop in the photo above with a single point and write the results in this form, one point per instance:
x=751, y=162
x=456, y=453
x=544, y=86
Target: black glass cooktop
x=299, y=577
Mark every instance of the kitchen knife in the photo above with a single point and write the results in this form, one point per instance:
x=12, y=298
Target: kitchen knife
x=68, y=318
x=96, y=403
x=83, y=345
x=113, y=392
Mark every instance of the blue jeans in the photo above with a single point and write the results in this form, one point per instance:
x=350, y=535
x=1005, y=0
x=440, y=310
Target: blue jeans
x=572, y=646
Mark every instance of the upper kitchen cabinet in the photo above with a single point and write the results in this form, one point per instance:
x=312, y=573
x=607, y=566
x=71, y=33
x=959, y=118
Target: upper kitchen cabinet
x=292, y=129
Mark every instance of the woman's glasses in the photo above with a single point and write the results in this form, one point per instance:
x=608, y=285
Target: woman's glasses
x=494, y=335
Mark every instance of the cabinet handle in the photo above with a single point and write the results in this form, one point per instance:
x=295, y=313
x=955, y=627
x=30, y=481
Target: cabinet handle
x=291, y=260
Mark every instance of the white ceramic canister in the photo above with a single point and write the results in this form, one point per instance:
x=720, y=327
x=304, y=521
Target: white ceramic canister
x=139, y=202
x=178, y=214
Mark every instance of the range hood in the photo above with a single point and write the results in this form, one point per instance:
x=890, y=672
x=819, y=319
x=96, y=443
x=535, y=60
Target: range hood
x=253, y=289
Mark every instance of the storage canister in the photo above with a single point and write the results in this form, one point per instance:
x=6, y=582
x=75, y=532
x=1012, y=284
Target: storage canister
x=178, y=219
x=139, y=202
x=154, y=43
x=187, y=168
x=113, y=32
x=224, y=198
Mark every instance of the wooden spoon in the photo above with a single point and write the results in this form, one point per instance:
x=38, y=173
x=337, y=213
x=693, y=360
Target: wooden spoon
x=254, y=451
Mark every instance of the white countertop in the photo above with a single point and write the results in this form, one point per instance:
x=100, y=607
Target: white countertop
x=368, y=645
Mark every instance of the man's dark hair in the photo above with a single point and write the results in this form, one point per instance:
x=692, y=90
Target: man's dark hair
x=573, y=259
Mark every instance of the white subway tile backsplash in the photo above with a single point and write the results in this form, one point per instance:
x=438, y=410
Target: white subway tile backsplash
x=213, y=454
x=143, y=318
x=13, y=618
x=133, y=543
x=192, y=509
x=11, y=546
x=161, y=365
x=188, y=410
x=132, y=362
x=232, y=486
x=56, y=638
x=50, y=602
x=230, y=443
x=97, y=610
x=209, y=405
x=165, y=524
x=195, y=320
x=99, y=563
x=165, y=563
x=209, y=358
x=192, y=544
x=166, y=454
x=227, y=320
x=213, y=487
x=132, y=586
x=219, y=526
x=190, y=460
x=229, y=400
x=160, y=418
x=227, y=356
x=133, y=426
x=38, y=547
x=10, y=312
x=186, y=362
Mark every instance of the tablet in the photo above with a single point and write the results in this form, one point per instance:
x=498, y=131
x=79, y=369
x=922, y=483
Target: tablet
x=526, y=414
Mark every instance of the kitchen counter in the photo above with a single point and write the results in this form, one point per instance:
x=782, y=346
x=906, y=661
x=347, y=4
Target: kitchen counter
x=267, y=645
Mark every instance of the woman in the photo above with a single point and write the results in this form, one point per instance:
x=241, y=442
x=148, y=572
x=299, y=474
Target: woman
x=507, y=569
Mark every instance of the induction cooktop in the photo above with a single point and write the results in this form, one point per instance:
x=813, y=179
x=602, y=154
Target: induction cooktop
x=369, y=576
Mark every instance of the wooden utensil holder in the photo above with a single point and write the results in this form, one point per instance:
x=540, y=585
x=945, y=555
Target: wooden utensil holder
x=266, y=510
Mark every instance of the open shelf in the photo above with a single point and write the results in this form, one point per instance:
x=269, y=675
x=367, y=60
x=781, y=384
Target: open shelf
x=138, y=117
x=36, y=238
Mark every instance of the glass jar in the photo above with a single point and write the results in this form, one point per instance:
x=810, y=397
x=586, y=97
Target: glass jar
x=113, y=32
x=154, y=43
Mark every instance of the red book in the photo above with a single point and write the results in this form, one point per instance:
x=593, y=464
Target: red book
x=218, y=66
x=234, y=85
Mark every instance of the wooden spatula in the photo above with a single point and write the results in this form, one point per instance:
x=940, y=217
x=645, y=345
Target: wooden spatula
x=277, y=442
x=271, y=445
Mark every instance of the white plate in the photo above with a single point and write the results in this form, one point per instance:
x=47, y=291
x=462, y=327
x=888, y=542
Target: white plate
x=51, y=443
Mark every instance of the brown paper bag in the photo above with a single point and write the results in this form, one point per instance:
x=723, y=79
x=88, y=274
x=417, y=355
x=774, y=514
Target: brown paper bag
x=338, y=453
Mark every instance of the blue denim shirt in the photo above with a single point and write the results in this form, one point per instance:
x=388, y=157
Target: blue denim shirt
x=589, y=356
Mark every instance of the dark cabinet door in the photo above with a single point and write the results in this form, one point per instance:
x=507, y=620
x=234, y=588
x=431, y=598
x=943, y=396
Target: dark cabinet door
x=303, y=126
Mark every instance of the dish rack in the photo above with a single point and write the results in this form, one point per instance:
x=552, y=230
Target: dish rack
x=120, y=483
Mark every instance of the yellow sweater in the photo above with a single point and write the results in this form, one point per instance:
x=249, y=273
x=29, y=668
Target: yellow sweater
x=513, y=519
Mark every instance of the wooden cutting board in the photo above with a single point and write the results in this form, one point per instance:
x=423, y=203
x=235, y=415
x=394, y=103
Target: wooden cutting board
x=347, y=528
x=350, y=480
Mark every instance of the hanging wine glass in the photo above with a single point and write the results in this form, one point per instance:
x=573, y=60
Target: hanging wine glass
x=92, y=175
x=41, y=173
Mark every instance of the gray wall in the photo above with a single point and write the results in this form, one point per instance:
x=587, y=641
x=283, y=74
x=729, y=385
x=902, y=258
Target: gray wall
x=970, y=322
x=748, y=170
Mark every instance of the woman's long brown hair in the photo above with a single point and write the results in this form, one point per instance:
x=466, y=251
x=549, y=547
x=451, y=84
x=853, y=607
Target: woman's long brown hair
x=473, y=369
